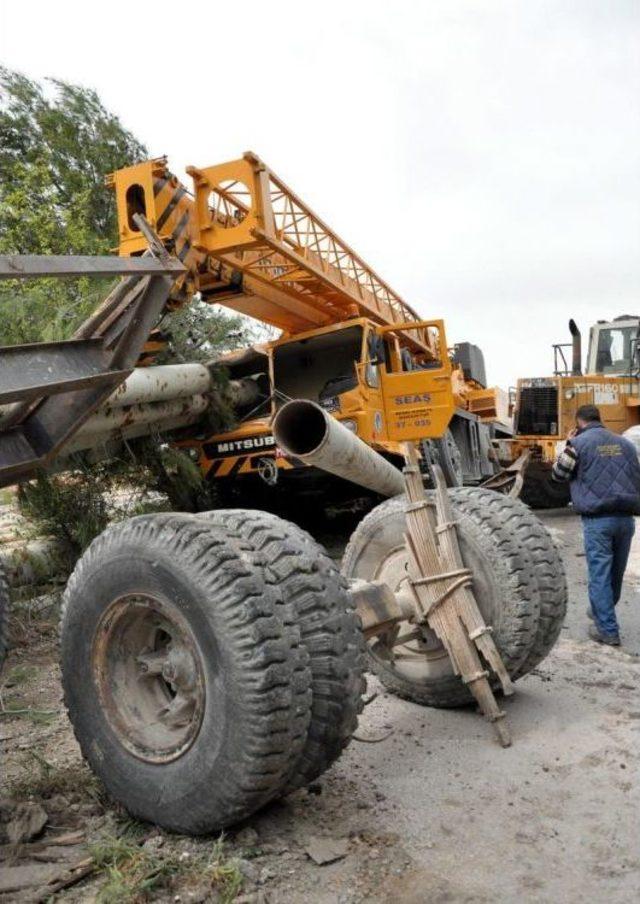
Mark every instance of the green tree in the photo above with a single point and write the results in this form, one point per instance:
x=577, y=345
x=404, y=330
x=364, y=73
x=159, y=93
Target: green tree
x=57, y=143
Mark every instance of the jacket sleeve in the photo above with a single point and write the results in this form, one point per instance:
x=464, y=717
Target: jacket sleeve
x=564, y=467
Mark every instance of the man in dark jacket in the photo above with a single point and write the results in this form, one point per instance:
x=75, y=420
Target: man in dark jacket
x=605, y=489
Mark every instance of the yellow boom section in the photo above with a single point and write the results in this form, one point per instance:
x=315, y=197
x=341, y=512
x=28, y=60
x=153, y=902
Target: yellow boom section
x=252, y=244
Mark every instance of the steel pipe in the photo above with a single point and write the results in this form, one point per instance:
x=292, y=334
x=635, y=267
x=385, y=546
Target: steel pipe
x=109, y=420
x=162, y=383
x=303, y=430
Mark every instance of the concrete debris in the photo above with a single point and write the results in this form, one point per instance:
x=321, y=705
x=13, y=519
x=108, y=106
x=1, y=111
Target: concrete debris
x=247, y=837
x=326, y=850
x=17, y=878
x=23, y=821
x=249, y=870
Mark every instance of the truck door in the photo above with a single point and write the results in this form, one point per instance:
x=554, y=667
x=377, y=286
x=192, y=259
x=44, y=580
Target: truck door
x=418, y=404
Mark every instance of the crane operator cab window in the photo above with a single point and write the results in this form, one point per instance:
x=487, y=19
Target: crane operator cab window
x=377, y=353
x=319, y=367
x=616, y=349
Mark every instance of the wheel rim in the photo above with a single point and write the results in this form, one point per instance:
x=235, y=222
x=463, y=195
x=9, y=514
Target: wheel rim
x=149, y=675
x=424, y=659
x=420, y=656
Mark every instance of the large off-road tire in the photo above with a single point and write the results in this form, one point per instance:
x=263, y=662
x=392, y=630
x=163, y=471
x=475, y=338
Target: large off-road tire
x=548, y=569
x=504, y=585
x=184, y=679
x=330, y=630
x=539, y=491
x=4, y=618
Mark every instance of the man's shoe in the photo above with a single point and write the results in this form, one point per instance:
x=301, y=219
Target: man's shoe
x=611, y=640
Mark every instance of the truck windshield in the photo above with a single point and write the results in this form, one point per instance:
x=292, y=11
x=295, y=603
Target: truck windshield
x=319, y=367
x=615, y=349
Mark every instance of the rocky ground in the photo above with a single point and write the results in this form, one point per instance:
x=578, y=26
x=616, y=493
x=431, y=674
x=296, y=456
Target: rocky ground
x=423, y=807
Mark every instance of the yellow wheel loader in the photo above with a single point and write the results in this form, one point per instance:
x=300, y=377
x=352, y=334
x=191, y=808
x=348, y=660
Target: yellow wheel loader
x=545, y=407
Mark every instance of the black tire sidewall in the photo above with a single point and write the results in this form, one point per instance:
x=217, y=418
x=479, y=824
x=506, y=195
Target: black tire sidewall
x=183, y=793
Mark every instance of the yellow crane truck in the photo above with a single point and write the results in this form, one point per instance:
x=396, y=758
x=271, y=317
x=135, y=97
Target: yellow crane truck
x=213, y=662
x=545, y=407
x=250, y=243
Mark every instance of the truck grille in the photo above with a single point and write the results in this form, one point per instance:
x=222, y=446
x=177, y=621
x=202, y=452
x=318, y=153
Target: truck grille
x=538, y=411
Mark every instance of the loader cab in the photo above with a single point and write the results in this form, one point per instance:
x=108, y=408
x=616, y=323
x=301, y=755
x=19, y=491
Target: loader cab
x=614, y=347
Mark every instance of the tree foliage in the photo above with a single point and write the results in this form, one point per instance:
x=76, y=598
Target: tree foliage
x=57, y=143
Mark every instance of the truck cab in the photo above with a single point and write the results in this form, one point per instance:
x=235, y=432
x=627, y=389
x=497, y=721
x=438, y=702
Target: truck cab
x=347, y=369
x=366, y=376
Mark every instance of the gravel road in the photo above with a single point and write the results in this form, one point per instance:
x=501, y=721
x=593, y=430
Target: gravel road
x=435, y=810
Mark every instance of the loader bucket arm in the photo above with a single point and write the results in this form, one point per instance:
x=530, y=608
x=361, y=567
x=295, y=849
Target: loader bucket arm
x=49, y=389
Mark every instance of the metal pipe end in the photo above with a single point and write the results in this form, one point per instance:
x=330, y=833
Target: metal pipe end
x=300, y=427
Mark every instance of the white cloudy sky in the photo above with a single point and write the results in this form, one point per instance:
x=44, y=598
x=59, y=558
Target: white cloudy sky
x=482, y=155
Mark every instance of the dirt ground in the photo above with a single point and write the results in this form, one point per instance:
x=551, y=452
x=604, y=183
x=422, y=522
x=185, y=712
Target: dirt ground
x=423, y=807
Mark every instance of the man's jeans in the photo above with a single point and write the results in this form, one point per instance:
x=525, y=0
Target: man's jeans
x=607, y=539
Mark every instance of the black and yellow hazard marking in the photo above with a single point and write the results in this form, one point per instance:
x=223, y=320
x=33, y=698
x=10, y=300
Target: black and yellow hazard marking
x=242, y=464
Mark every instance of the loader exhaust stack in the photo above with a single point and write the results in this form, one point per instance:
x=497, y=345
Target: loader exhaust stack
x=303, y=430
x=576, y=341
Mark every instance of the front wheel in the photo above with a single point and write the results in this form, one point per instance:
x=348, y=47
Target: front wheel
x=539, y=491
x=183, y=675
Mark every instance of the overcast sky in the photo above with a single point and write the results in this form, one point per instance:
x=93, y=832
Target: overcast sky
x=481, y=155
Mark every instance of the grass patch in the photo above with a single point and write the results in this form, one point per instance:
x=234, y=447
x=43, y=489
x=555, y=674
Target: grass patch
x=20, y=675
x=133, y=872
x=20, y=711
x=43, y=780
x=17, y=708
x=70, y=506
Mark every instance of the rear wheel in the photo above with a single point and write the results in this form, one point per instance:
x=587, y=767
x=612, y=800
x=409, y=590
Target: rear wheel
x=184, y=680
x=549, y=575
x=503, y=581
x=329, y=626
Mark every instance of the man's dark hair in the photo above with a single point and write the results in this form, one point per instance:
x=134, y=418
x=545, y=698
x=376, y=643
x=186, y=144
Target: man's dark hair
x=588, y=413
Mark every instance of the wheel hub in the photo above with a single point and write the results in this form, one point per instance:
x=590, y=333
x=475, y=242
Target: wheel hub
x=394, y=571
x=149, y=674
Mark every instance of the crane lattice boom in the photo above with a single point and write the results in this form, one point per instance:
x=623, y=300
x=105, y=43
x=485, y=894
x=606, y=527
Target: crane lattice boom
x=296, y=273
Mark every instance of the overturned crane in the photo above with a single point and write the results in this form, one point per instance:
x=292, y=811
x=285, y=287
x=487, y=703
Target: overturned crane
x=213, y=662
x=249, y=242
